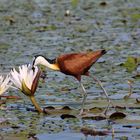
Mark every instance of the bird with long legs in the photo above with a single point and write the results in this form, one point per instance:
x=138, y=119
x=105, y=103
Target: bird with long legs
x=74, y=64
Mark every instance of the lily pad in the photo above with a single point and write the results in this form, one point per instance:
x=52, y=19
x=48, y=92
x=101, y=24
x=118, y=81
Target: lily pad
x=117, y=115
x=96, y=109
x=67, y=116
x=66, y=108
x=131, y=64
x=49, y=108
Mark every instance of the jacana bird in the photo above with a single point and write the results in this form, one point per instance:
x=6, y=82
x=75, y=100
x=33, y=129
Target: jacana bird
x=74, y=64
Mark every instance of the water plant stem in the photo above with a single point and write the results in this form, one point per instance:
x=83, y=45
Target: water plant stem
x=33, y=100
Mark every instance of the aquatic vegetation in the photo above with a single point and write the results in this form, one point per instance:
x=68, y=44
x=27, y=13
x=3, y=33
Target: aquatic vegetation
x=26, y=80
x=51, y=28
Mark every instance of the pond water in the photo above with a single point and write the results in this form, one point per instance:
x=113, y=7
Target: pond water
x=31, y=27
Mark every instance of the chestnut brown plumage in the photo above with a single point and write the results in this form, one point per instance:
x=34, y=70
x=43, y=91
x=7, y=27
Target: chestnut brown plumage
x=74, y=64
x=78, y=64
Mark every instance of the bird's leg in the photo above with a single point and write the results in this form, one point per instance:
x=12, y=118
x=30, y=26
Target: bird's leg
x=100, y=84
x=130, y=83
x=105, y=92
x=84, y=98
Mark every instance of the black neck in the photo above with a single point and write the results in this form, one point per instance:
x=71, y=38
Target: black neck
x=51, y=61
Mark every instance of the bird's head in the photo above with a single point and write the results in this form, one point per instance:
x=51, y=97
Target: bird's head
x=42, y=60
x=39, y=60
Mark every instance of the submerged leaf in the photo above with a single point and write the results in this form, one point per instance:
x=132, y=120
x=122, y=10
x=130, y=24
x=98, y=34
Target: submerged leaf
x=92, y=117
x=93, y=132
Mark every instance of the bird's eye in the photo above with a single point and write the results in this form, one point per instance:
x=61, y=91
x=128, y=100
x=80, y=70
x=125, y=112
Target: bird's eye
x=33, y=68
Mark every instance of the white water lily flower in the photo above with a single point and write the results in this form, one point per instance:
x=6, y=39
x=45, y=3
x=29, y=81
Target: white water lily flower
x=4, y=83
x=26, y=79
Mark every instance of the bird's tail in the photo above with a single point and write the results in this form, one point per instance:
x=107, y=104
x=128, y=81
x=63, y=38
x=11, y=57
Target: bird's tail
x=96, y=55
x=103, y=52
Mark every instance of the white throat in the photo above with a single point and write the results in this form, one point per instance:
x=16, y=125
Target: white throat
x=40, y=60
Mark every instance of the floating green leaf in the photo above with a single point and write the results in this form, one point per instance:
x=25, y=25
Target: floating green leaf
x=135, y=17
x=130, y=64
x=74, y=3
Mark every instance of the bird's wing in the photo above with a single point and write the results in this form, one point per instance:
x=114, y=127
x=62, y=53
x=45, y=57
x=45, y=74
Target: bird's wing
x=74, y=63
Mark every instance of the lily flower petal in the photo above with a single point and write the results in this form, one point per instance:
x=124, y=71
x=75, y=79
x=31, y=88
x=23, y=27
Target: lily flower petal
x=26, y=79
x=15, y=78
x=35, y=80
x=4, y=84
